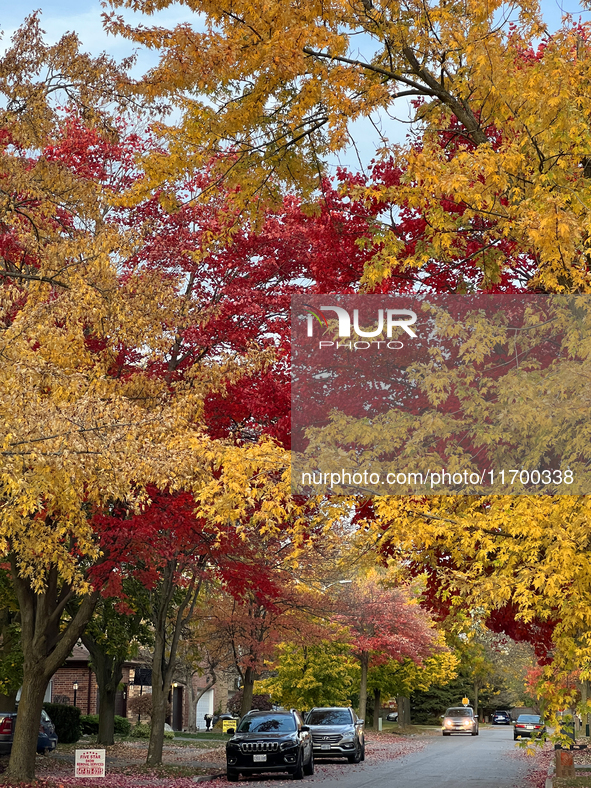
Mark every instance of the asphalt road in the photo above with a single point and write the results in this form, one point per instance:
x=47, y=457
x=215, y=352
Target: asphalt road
x=458, y=761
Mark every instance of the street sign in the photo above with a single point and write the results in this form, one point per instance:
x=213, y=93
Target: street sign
x=89, y=763
x=465, y=701
x=229, y=726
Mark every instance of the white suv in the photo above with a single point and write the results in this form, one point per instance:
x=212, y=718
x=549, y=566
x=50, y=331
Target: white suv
x=336, y=733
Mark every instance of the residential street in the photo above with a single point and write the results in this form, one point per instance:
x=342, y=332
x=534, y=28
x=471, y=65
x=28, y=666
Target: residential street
x=484, y=761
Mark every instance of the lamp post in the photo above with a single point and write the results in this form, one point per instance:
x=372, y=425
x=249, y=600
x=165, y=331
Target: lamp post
x=75, y=688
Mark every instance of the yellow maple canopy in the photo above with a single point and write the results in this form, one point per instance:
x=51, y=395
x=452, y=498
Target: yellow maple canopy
x=279, y=85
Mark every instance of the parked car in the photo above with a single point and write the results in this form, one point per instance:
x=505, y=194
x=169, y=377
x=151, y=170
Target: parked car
x=392, y=717
x=46, y=738
x=529, y=726
x=501, y=718
x=270, y=741
x=336, y=732
x=460, y=719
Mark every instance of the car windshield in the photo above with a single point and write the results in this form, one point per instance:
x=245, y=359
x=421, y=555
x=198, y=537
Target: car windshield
x=458, y=712
x=270, y=724
x=329, y=717
x=528, y=718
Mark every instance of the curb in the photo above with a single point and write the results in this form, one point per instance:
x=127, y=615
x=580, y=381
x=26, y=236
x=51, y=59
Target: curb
x=550, y=776
x=205, y=778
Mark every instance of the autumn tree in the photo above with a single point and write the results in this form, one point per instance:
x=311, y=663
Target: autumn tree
x=251, y=618
x=172, y=570
x=113, y=636
x=251, y=625
x=383, y=623
x=402, y=678
x=319, y=674
x=87, y=424
x=67, y=427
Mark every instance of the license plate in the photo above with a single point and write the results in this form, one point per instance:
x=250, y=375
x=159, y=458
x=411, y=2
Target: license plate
x=259, y=758
x=325, y=747
x=529, y=727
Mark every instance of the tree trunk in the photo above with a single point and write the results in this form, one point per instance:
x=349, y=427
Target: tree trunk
x=247, y=691
x=364, y=660
x=161, y=681
x=24, y=745
x=169, y=618
x=46, y=646
x=191, y=703
x=403, y=704
x=109, y=673
x=584, y=699
x=159, y=705
x=377, y=703
x=476, y=688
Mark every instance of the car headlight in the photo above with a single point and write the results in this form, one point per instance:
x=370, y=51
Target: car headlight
x=231, y=745
x=447, y=722
x=467, y=723
x=286, y=745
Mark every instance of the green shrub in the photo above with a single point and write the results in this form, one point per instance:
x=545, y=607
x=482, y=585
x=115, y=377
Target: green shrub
x=142, y=731
x=122, y=725
x=169, y=734
x=89, y=723
x=66, y=720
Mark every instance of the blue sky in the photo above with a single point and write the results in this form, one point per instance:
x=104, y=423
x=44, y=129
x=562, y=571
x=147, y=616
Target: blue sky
x=84, y=17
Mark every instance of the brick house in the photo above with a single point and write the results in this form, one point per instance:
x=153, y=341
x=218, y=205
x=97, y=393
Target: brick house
x=75, y=683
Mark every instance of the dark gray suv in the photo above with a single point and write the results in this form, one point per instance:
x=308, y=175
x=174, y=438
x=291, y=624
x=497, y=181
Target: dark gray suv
x=336, y=732
x=270, y=741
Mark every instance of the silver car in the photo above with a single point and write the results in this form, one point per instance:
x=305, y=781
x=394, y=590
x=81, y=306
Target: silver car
x=460, y=719
x=336, y=732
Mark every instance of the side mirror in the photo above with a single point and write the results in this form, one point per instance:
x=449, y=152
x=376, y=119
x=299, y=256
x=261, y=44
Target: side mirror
x=359, y=722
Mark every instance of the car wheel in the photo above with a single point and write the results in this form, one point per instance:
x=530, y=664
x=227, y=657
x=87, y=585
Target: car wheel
x=363, y=753
x=299, y=772
x=309, y=767
x=446, y=733
x=356, y=757
x=515, y=737
x=232, y=776
x=474, y=733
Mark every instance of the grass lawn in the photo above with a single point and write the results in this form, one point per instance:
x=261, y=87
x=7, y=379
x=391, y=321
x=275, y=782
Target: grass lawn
x=203, y=735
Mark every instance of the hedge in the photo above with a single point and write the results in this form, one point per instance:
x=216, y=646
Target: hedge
x=66, y=720
x=142, y=731
x=89, y=724
x=122, y=725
